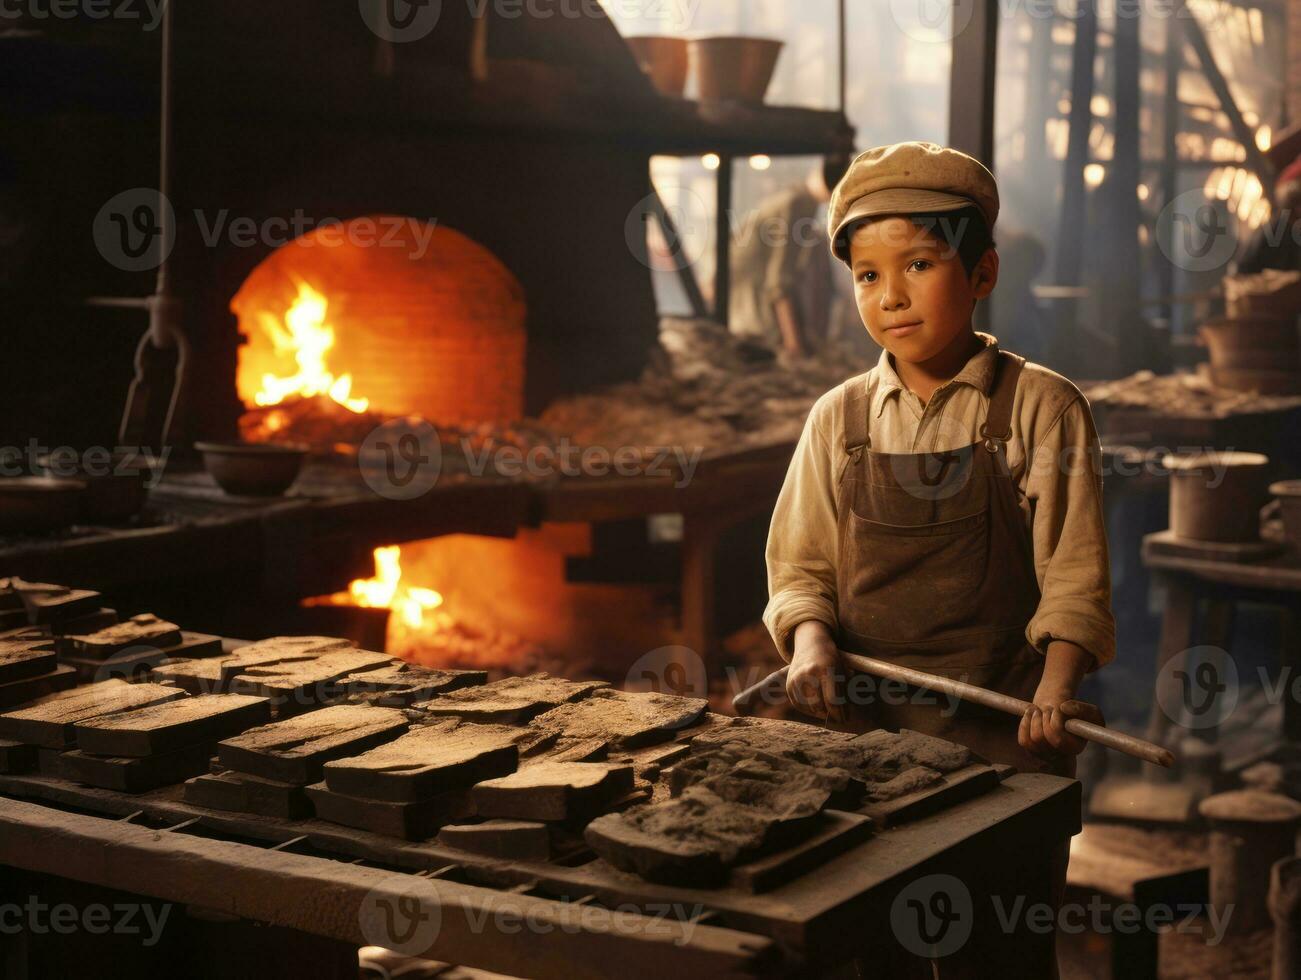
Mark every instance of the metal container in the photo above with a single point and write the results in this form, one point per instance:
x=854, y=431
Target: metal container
x=1217, y=496
x=33, y=504
x=735, y=69
x=1287, y=496
x=664, y=60
x=252, y=469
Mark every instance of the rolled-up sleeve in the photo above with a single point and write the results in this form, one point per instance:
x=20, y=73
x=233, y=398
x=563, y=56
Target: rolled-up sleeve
x=1064, y=485
x=802, y=542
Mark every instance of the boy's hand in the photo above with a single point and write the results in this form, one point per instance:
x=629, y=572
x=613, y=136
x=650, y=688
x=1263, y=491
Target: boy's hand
x=1043, y=726
x=814, y=681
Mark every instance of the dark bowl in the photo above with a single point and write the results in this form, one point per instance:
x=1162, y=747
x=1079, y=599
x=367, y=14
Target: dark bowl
x=31, y=504
x=115, y=490
x=253, y=469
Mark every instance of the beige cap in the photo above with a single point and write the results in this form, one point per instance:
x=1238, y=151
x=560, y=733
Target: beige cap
x=909, y=178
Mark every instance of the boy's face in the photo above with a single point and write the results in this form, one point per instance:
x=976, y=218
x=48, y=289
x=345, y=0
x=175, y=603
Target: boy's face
x=913, y=294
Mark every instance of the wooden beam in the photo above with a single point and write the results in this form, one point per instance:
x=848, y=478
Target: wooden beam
x=723, y=241
x=519, y=935
x=1070, y=239
x=1244, y=133
x=971, y=79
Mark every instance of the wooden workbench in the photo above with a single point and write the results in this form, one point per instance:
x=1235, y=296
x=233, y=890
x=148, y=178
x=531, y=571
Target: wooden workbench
x=196, y=536
x=323, y=880
x=1216, y=586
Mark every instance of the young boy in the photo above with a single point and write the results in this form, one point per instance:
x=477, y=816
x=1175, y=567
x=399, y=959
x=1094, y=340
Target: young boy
x=944, y=510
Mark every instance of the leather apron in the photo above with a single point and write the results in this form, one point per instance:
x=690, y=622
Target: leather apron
x=937, y=573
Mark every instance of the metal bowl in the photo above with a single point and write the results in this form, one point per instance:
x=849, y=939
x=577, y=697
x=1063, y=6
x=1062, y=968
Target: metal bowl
x=733, y=68
x=253, y=469
x=31, y=504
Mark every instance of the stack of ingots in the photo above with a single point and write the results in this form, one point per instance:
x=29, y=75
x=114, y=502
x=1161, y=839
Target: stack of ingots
x=129, y=737
x=92, y=645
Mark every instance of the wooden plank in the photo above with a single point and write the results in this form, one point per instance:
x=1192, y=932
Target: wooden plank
x=46, y=603
x=512, y=699
x=477, y=925
x=136, y=661
x=220, y=791
x=173, y=725
x=279, y=650
x=515, y=840
x=15, y=757
x=838, y=832
x=553, y=791
x=50, y=721
x=624, y=720
x=135, y=775
x=296, y=749
x=21, y=659
x=418, y=820
x=813, y=913
x=301, y=683
x=953, y=788
x=402, y=684
x=426, y=761
x=143, y=630
x=243, y=793
x=1166, y=543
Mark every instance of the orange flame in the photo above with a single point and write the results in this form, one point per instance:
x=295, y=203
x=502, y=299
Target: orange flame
x=386, y=590
x=305, y=334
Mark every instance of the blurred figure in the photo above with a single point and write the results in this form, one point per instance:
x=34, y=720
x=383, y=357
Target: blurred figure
x=1018, y=321
x=781, y=266
x=1275, y=245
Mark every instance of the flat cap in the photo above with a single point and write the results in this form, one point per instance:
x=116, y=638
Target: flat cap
x=908, y=178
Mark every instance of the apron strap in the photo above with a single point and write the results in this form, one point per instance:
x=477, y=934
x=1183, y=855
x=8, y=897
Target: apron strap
x=853, y=408
x=997, y=427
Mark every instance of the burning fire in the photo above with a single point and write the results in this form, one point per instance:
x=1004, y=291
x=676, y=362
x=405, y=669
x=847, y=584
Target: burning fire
x=386, y=590
x=305, y=334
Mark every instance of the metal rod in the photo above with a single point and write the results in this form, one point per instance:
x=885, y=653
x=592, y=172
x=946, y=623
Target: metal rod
x=1137, y=747
x=844, y=54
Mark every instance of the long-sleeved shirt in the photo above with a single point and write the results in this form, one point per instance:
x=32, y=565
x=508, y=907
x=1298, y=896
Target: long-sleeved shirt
x=1055, y=460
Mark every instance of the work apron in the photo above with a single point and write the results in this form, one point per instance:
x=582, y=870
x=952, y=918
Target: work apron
x=937, y=573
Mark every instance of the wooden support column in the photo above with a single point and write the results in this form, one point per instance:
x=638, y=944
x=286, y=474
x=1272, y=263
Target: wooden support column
x=971, y=92
x=971, y=79
x=1171, y=122
x=723, y=242
x=1122, y=316
x=1070, y=237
